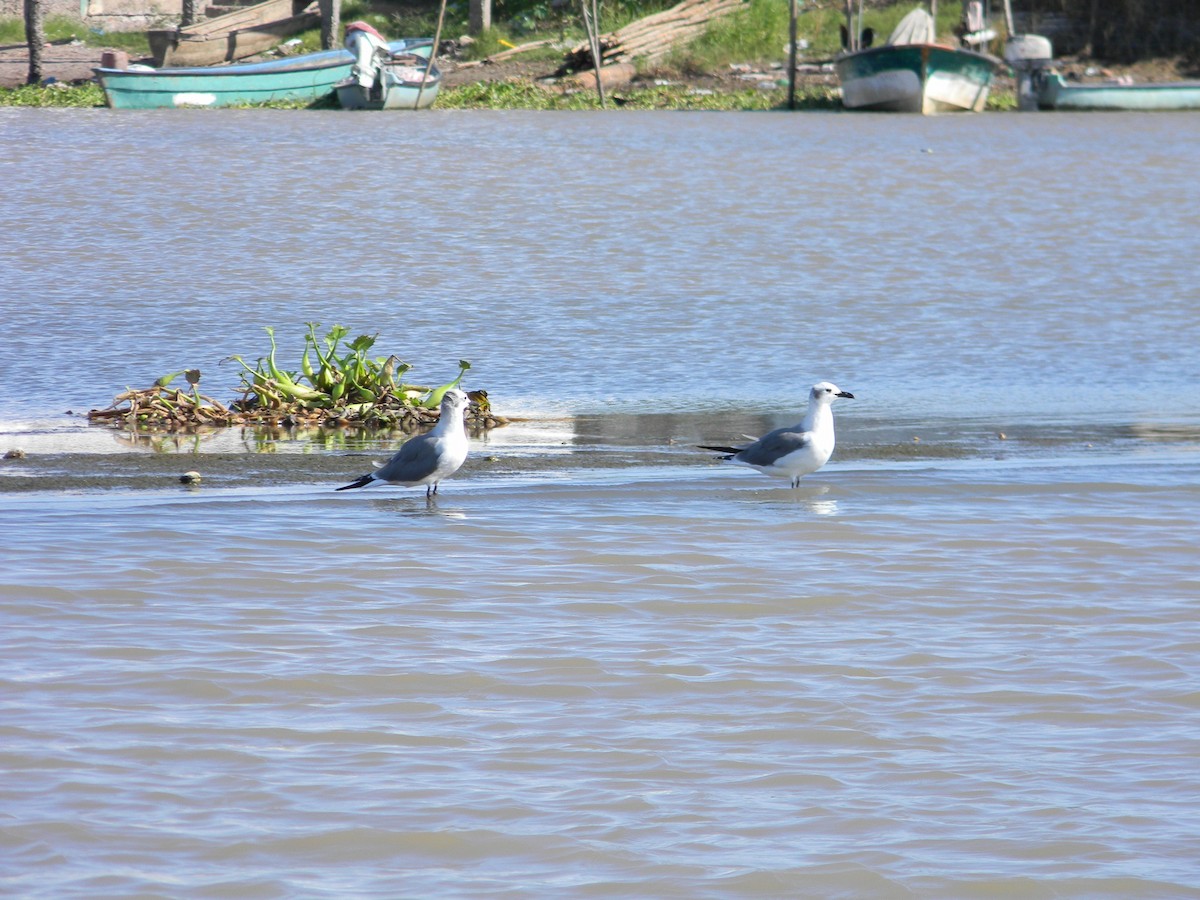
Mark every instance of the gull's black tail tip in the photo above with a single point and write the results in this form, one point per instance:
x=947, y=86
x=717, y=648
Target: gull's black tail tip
x=362, y=482
x=732, y=451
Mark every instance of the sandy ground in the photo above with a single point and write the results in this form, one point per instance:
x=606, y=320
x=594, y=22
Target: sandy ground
x=63, y=62
x=66, y=62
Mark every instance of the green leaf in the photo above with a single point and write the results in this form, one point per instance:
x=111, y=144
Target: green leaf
x=363, y=343
x=436, y=395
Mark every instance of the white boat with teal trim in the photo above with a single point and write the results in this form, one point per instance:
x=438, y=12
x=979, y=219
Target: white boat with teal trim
x=302, y=79
x=913, y=73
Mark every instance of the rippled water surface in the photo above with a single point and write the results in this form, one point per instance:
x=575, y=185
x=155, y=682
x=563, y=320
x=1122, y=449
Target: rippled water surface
x=959, y=661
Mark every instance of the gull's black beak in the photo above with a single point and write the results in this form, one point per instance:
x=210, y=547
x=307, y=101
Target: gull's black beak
x=846, y=394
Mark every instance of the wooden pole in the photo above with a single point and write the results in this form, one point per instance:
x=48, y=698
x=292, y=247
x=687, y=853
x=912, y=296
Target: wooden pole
x=437, y=42
x=591, y=21
x=792, y=55
x=599, y=52
x=35, y=37
x=479, y=16
x=331, y=22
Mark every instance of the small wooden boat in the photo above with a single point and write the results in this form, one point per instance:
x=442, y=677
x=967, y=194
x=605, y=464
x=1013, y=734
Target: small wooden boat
x=303, y=79
x=1055, y=92
x=246, y=31
x=912, y=73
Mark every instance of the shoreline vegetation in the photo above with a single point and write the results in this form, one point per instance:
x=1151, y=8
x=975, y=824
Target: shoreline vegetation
x=532, y=60
x=516, y=93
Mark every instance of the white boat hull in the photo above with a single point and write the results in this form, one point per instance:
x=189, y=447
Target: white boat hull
x=915, y=78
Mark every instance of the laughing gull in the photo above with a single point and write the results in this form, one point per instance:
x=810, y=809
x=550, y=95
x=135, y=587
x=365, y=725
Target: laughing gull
x=430, y=457
x=797, y=450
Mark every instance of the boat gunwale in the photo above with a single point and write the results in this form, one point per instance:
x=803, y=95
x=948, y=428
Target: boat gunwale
x=310, y=62
x=995, y=61
x=224, y=71
x=1113, y=85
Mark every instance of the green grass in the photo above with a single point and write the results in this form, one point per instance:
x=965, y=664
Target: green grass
x=759, y=33
x=135, y=43
x=63, y=28
x=12, y=31
x=756, y=34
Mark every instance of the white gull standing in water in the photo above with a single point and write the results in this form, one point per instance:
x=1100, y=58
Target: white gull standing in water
x=430, y=457
x=797, y=450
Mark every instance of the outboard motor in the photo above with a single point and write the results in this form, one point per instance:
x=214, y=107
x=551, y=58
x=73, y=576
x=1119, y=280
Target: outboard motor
x=1028, y=54
x=370, y=51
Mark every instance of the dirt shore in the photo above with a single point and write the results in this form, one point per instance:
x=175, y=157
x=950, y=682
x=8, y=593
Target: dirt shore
x=62, y=62
x=70, y=62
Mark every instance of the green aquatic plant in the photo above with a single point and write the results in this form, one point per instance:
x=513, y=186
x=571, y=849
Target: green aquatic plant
x=525, y=95
x=340, y=375
x=353, y=376
x=516, y=94
x=1001, y=99
x=84, y=95
x=342, y=380
x=338, y=382
x=435, y=396
x=487, y=95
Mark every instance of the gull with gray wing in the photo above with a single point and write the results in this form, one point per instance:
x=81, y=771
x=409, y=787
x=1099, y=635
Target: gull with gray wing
x=796, y=450
x=430, y=457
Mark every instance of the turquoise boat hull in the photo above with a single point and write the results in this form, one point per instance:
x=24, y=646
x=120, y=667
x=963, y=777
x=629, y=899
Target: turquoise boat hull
x=300, y=79
x=917, y=78
x=1054, y=92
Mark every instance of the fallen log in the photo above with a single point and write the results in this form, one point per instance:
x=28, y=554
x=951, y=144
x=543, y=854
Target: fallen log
x=616, y=75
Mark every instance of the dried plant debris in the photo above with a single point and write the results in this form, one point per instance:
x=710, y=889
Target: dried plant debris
x=336, y=385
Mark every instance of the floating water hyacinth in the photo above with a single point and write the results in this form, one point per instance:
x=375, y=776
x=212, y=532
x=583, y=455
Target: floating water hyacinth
x=336, y=384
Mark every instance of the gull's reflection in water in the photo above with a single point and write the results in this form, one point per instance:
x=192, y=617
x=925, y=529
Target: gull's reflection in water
x=413, y=506
x=813, y=499
x=823, y=507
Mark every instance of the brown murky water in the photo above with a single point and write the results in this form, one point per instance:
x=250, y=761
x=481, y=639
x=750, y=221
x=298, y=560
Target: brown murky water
x=959, y=661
